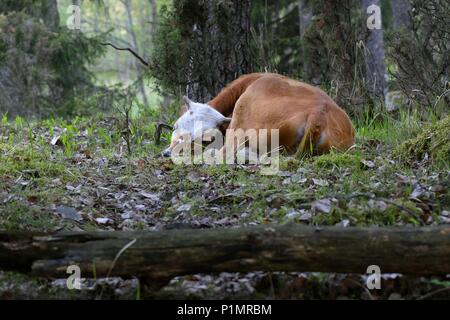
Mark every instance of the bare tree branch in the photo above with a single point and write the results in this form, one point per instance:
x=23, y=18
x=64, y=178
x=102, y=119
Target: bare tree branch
x=145, y=63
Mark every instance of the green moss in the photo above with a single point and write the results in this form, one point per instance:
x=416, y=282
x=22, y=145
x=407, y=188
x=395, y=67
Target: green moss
x=336, y=159
x=37, y=166
x=16, y=216
x=361, y=214
x=433, y=140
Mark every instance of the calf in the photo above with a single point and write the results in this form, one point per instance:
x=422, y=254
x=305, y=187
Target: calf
x=308, y=120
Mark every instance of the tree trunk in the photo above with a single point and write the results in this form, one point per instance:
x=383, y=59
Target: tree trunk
x=400, y=13
x=220, y=45
x=304, y=17
x=127, y=4
x=153, y=23
x=154, y=16
x=50, y=14
x=375, y=75
x=163, y=255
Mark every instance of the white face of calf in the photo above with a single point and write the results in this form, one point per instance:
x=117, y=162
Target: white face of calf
x=198, y=119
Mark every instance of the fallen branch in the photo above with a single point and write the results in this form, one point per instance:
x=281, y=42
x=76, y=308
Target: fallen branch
x=163, y=255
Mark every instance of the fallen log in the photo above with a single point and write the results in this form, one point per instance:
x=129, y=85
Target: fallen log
x=165, y=254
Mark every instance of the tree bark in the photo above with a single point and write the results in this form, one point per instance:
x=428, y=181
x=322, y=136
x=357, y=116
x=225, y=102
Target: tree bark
x=163, y=255
x=400, y=13
x=375, y=75
x=305, y=14
x=153, y=23
x=220, y=45
x=50, y=14
x=154, y=17
x=132, y=34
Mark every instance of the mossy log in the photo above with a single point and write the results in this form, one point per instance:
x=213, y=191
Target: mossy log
x=165, y=254
x=433, y=140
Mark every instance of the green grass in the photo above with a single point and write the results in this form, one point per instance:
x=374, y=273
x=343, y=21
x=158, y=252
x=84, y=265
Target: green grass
x=433, y=141
x=30, y=167
x=366, y=186
x=16, y=215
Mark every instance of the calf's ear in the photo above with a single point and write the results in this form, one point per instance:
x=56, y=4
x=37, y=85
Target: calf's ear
x=224, y=124
x=225, y=120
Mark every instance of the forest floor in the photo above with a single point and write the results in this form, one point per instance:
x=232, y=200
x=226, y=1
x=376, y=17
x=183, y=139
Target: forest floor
x=78, y=175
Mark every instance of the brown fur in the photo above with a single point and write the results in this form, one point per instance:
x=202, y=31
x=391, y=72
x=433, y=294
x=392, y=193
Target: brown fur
x=308, y=119
x=225, y=101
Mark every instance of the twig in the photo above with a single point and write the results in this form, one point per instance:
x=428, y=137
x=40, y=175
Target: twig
x=127, y=49
x=117, y=258
x=363, y=287
x=433, y=293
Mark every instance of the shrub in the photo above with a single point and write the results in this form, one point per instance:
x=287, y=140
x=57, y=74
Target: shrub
x=41, y=71
x=433, y=141
x=420, y=52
